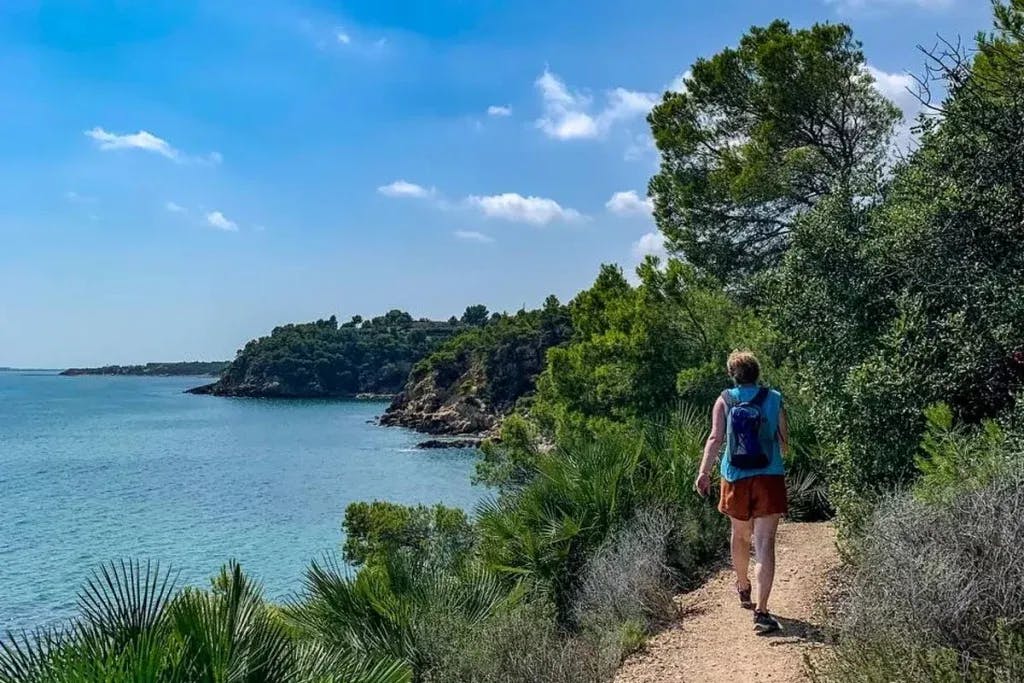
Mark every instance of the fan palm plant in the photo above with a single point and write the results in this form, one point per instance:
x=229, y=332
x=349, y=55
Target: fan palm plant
x=135, y=627
x=387, y=611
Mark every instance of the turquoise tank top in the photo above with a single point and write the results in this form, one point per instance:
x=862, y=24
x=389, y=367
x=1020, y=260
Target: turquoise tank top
x=772, y=408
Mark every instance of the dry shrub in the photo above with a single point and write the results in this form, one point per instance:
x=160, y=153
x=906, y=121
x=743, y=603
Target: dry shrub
x=627, y=580
x=523, y=645
x=938, y=593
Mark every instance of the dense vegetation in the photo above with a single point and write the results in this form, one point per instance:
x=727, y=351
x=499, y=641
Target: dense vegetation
x=183, y=368
x=883, y=295
x=325, y=359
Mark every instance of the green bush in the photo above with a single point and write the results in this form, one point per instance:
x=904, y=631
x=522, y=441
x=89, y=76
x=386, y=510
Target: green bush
x=378, y=529
x=956, y=458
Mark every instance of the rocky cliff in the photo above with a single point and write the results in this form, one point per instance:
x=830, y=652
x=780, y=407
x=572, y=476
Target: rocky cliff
x=479, y=376
x=446, y=400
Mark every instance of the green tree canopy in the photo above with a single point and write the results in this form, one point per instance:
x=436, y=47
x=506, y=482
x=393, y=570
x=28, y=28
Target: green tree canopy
x=475, y=315
x=761, y=133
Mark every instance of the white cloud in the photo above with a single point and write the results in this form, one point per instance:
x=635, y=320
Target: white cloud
x=342, y=37
x=898, y=87
x=651, y=244
x=473, y=236
x=147, y=142
x=629, y=203
x=142, y=140
x=511, y=206
x=175, y=208
x=403, y=188
x=568, y=115
x=678, y=83
x=499, y=110
x=218, y=220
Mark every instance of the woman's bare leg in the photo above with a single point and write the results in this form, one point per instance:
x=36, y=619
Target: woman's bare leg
x=740, y=543
x=764, y=550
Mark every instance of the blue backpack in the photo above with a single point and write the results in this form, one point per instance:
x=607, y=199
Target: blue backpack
x=749, y=444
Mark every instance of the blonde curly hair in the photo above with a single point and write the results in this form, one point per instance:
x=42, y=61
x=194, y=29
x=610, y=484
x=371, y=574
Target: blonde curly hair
x=743, y=367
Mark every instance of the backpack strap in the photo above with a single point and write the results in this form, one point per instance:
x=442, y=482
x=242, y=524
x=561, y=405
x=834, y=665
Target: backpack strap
x=759, y=399
x=727, y=397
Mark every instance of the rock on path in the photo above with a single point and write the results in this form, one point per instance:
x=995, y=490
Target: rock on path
x=714, y=639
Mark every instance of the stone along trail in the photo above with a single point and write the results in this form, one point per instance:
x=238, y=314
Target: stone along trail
x=713, y=640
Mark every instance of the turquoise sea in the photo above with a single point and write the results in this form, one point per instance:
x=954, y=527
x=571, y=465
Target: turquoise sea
x=99, y=468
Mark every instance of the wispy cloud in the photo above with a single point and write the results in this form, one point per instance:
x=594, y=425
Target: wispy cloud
x=511, y=206
x=507, y=206
x=143, y=140
x=403, y=188
x=218, y=220
x=570, y=115
x=629, y=203
x=175, y=208
x=499, y=110
x=330, y=33
x=148, y=142
x=473, y=236
x=77, y=198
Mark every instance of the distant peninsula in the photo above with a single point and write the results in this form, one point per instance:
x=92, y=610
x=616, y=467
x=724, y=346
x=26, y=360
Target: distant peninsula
x=184, y=368
x=328, y=359
x=455, y=377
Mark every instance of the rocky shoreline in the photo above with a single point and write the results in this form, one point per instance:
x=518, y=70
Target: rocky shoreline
x=432, y=444
x=275, y=390
x=427, y=406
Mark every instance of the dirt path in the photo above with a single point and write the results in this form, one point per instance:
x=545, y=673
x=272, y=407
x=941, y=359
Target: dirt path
x=714, y=639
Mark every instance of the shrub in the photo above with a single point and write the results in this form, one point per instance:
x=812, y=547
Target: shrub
x=957, y=458
x=376, y=529
x=628, y=581
x=938, y=593
x=524, y=645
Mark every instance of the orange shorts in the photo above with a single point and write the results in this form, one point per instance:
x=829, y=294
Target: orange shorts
x=757, y=496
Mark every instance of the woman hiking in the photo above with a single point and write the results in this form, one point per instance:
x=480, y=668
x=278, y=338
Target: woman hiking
x=750, y=422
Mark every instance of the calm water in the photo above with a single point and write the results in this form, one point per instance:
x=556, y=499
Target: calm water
x=98, y=468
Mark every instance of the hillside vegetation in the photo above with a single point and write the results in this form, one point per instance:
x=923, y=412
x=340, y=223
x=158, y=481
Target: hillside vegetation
x=323, y=359
x=183, y=368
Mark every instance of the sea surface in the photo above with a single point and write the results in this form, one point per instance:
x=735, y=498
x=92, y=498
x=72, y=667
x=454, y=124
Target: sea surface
x=94, y=469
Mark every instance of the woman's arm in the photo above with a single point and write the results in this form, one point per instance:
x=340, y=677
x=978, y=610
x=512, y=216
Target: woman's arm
x=712, y=448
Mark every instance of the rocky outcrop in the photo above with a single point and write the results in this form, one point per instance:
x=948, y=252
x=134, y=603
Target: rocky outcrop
x=449, y=443
x=432, y=405
x=276, y=389
x=472, y=381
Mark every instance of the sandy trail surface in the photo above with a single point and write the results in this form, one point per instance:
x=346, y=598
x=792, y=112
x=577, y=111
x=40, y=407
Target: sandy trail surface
x=714, y=641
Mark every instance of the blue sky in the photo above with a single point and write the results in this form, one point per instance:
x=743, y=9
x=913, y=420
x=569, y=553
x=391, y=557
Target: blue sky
x=178, y=177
